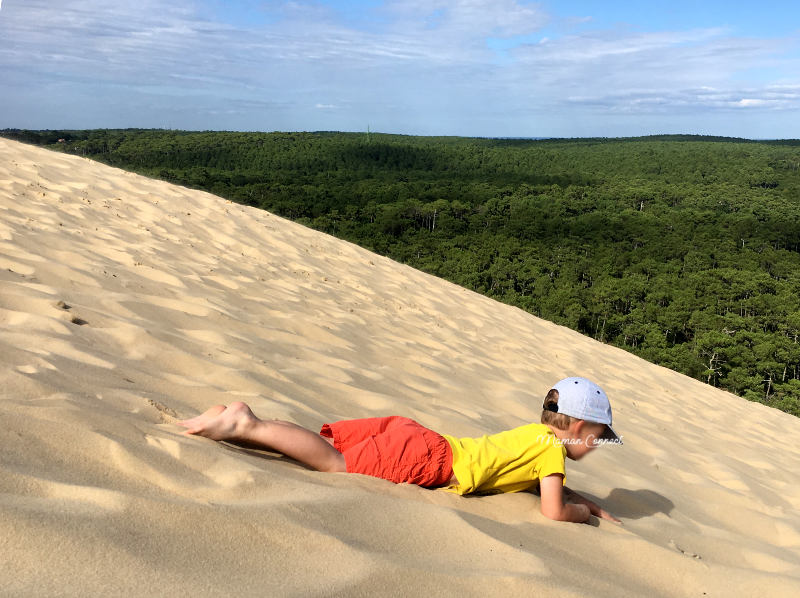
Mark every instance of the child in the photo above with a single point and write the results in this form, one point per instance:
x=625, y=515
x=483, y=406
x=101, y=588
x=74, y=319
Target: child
x=576, y=417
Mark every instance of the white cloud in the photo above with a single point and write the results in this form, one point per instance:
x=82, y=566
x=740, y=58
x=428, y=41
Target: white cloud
x=750, y=102
x=422, y=66
x=656, y=72
x=468, y=18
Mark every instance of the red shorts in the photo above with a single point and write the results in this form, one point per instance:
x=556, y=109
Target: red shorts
x=393, y=448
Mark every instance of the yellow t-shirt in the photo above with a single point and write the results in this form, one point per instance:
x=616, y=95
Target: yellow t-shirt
x=510, y=461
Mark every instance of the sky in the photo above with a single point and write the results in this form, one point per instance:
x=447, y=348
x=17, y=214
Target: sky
x=489, y=68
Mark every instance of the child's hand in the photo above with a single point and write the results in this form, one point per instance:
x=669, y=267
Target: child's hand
x=553, y=506
x=584, y=513
x=594, y=508
x=602, y=513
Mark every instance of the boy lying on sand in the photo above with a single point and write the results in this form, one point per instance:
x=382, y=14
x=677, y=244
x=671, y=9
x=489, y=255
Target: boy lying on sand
x=576, y=418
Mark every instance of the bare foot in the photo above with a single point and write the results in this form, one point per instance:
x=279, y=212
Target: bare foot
x=229, y=424
x=207, y=415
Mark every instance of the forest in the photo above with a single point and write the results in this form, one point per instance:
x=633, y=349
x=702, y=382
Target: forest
x=684, y=250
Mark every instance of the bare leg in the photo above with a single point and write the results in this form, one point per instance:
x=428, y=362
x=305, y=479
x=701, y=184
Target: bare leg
x=239, y=425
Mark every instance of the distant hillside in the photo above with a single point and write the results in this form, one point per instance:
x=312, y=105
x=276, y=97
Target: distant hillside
x=682, y=249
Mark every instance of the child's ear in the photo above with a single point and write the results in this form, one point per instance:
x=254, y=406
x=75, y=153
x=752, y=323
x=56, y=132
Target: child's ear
x=576, y=426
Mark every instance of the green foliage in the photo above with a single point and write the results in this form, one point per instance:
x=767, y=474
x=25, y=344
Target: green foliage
x=684, y=250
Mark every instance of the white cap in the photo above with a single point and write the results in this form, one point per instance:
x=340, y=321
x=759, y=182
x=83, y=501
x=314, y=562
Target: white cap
x=583, y=399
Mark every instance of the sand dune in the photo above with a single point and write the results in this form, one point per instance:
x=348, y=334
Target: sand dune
x=126, y=303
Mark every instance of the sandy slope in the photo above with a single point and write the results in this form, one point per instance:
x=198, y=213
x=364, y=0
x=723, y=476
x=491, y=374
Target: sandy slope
x=127, y=302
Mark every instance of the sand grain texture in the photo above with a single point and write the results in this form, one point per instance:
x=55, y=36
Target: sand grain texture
x=126, y=303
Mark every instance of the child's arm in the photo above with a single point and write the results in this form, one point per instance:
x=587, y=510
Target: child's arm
x=594, y=508
x=553, y=507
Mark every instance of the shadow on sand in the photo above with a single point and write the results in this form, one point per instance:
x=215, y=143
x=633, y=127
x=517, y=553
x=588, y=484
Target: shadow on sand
x=633, y=504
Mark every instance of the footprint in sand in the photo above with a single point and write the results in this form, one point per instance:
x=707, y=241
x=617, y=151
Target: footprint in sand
x=74, y=319
x=167, y=414
x=682, y=551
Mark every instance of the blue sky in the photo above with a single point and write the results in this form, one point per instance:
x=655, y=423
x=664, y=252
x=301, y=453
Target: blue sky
x=424, y=67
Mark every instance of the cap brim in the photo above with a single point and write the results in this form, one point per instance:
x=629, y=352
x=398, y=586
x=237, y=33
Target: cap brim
x=610, y=436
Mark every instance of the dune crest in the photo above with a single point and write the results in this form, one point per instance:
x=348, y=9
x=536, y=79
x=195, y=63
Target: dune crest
x=126, y=303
